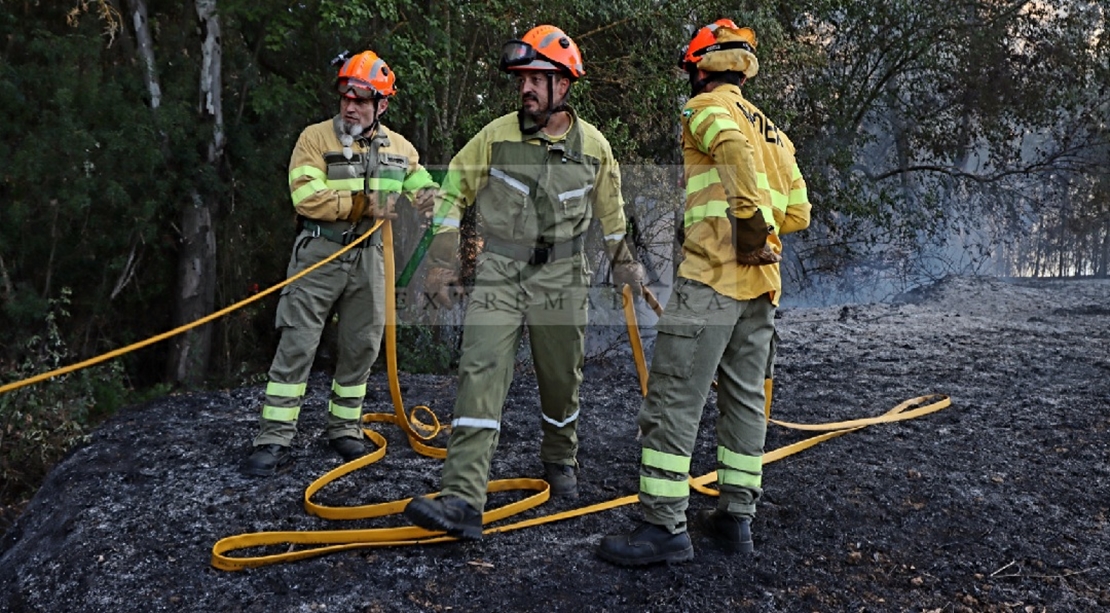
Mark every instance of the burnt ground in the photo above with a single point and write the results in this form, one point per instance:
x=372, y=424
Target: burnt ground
x=998, y=503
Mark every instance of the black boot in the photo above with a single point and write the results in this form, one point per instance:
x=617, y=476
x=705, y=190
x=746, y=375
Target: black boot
x=266, y=460
x=561, y=478
x=647, y=544
x=450, y=514
x=349, y=447
x=727, y=530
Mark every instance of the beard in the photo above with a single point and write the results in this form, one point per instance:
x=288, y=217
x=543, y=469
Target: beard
x=353, y=128
x=536, y=114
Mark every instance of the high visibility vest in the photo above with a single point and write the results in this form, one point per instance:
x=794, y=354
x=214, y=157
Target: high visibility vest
x=534, y=189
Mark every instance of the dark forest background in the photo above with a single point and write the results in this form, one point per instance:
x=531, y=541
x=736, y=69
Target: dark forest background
x=144, y=147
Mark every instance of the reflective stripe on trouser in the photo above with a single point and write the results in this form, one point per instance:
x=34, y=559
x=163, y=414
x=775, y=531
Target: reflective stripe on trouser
x=508, y=294
x=703, y=333
x=354, y=286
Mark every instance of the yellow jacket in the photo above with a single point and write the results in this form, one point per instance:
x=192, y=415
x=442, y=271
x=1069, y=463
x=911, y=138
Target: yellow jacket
x=736, y=160
x=323, y=180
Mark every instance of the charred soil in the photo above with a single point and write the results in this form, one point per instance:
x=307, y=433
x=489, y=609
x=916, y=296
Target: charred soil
x=998, y=503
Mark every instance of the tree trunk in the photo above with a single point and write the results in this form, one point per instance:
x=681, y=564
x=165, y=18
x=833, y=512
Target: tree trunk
x=196, y=269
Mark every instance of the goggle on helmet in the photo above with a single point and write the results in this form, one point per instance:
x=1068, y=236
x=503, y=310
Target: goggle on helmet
x=364, y=77
x=544, y=48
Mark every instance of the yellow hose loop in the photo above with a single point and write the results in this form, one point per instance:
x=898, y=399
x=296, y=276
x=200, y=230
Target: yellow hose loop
x=332, y=541
x=185, y=328
x=925, y=405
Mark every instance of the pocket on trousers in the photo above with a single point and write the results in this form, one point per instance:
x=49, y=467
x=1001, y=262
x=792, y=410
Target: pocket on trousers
x=676, y=345
x=285, y=317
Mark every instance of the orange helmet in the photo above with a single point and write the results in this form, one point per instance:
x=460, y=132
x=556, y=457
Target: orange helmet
x=543, y=48
x=365, y=76
x=707, y=40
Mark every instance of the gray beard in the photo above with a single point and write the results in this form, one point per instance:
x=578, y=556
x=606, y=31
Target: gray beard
x=354, y=129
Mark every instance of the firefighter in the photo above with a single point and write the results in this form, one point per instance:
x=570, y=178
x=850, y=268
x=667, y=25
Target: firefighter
x=743, y=190
x=344, y=173
x=537, y=177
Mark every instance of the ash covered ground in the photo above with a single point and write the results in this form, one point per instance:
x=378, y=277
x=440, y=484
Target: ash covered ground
x=998, y=503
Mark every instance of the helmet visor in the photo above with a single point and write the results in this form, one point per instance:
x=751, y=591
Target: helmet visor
x=351, y=88
x=516, y=53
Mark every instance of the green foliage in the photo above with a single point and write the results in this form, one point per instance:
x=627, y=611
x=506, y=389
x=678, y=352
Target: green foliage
x=421, y=349
x=40, y=423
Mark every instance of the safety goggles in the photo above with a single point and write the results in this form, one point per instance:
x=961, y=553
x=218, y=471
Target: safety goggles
x=517, y=53
x=354, y=89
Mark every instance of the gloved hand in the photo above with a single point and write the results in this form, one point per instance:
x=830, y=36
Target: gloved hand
x=383, y=205
x=440, y=286
x=630, y=272
x=424, y=202
x=749, y=237
x=759, y=257
x=359, y=204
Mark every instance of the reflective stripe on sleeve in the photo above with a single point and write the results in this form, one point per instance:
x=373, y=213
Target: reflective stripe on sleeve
x=713, y=208
x=798, y=196
x=615, y=237
x=347, y=185
x=307, y=190
x=704, y=114
x=385, y=184
x=701, y=181
x=715, y=128
x=418, y=181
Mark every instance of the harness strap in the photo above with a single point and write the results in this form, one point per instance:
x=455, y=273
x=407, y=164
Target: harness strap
x=539, y=254
x=342, y=232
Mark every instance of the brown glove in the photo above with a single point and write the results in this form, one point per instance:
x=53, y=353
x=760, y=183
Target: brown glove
x=424, y=202
x=631, y=273
x=759, y=257
x=388, y=210
x=359, y=204
x=625, y=268
x=441, y=286
x=749, y=237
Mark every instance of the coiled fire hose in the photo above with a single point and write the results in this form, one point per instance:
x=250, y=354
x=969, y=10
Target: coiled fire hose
x=315, y=543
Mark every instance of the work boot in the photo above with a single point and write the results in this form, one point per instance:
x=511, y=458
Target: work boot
x=449, y=514
x=647, y=544
x=349, y=447
x=266, y=460
x=561, y=478
x=727, y=530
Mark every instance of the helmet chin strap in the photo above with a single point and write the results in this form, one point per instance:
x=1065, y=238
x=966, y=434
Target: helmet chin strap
x=370, y=129
x=697, y=85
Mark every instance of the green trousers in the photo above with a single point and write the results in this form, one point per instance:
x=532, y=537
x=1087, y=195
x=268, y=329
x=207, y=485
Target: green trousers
x=551, y=300
x=354, y=286
x=703, y=334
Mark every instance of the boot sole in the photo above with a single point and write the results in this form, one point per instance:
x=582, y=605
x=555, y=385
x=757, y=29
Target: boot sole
x=429, y=520
x=672, y=557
